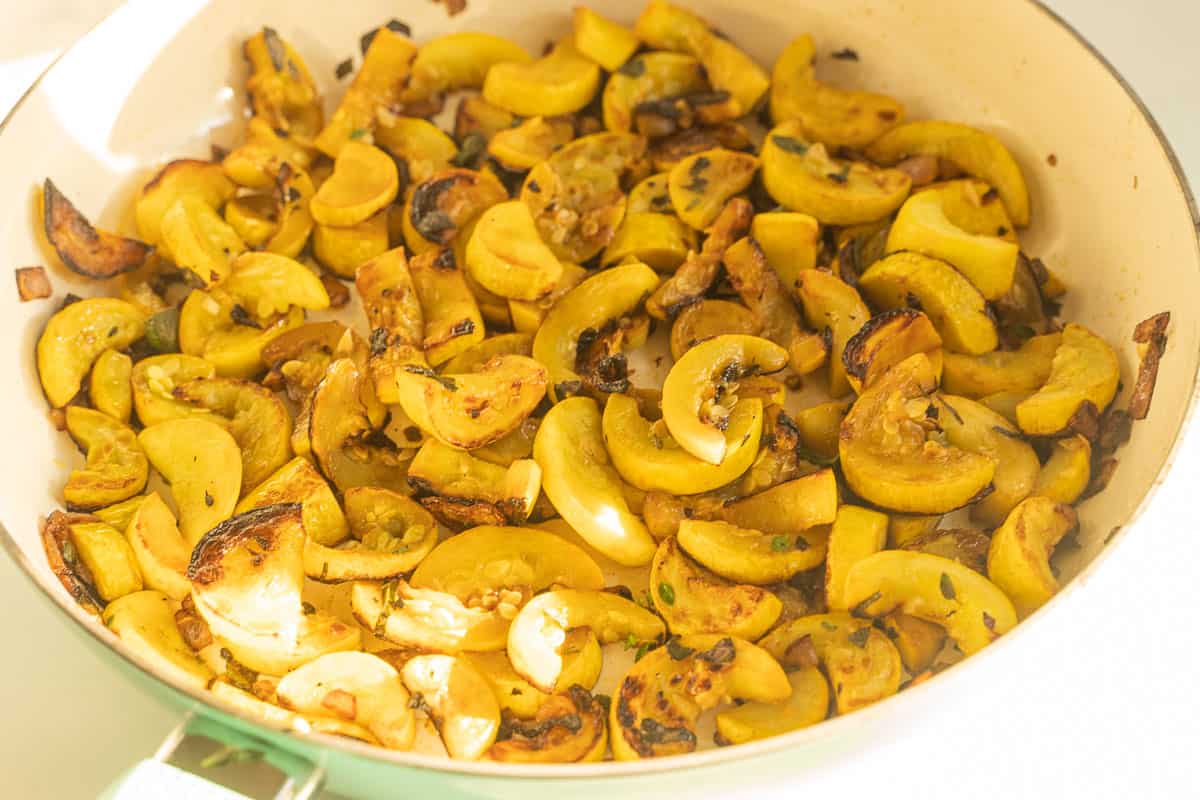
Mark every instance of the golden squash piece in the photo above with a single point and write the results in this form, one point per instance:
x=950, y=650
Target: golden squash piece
x=298, y=358
x=831, y=304
x=862, y=661
x=393, y=309
x=585, y=489
x=478, y=116
x=246, y=579
x=705, y=319
x=526, y=317
x=64, y=562
x=1019, y=557
x=655, y=708
x=951, y=302
x=460, y=60
x=646, y=456
x=356, y=687
x=701, y=390
x=258, y=421
x=856, y=533
x=427, y=620
x=120, y=514
x=394, y=534
x=154, y=379
x=138, y=292
x=561, y=82
x=789, y=240
x=651, y=196
x=975, y=207
x=267, y=283
x=423, y=146
x=518, y=697
x=576, y=195
x=437, y=210
x=145, y=623
x=458, y=700
x=660, y=240
x=199, y=240
x=693, y=600
x=488, y=562
x=668, y=27
x=1084, y=370
x=293, y=193
x=342, y=427
x=116, y=467
x=567, y=728
x=379, y=83
x=76, y=336
x=448, y=308
x=257, y=161
x=507, y=257
x=975, y=152
x=835, y=117
x=750, y=556
x=969, y=606
x=531, y=142
x=647, y=78
x=161, y=551
x=802, y=176
x=918, y=642
x=84, y=249
x=608, y=44
x=478, y=354
x=780, y=458
x=701, y=184
x=513, y=447
x=885, y=341
x=364, y=181
x=204, y=180
x=1023, y=370
x=885, y=455
x=107, y=556
x=819, y=426
x=976, y=428
x=459, y=476
x=474, y=409
x=1005, y=403
x=211, y=327
x=1065, y=475
x=923, y=226
x=608, y=295
x=792, y=507
x=282, y=91
x=203, y=464
x=109, y=385
x=539, y=629
x=808, y=705
x=765, y=295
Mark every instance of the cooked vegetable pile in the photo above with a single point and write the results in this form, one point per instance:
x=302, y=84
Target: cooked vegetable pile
x=737, y=383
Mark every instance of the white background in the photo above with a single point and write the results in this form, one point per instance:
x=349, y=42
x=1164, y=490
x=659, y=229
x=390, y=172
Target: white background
x=1100, y=702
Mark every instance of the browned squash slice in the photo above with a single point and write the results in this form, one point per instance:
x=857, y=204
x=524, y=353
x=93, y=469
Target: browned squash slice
x=83, y=248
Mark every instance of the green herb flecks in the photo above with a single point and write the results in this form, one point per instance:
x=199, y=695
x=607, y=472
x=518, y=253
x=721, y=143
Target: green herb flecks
x=789, y=144
x=666, y=593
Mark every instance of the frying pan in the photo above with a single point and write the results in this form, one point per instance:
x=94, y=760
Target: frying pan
x=1113, y=217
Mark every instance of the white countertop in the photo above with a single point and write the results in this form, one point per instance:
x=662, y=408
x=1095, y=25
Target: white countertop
x=1108, y=709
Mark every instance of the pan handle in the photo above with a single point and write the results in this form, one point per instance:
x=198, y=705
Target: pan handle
x=178, y=771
